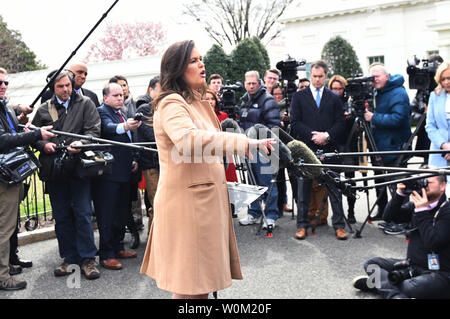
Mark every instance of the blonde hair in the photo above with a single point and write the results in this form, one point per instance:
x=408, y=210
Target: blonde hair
x=337, y=78
x=3, y=71
x=444, y=66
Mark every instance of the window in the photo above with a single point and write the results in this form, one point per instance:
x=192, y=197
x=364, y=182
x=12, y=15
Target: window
x=378, y=58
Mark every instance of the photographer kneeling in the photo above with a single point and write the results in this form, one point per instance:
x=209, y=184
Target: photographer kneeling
x=426, y=271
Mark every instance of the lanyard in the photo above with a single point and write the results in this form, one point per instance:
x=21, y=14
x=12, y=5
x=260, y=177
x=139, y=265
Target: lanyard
x=11, y=123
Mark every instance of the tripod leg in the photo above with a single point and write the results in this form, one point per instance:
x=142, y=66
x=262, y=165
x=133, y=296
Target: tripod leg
x=331, y=193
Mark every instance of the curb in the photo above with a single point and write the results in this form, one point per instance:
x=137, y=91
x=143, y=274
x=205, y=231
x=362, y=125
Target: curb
x=46, y=233
x=29, y=237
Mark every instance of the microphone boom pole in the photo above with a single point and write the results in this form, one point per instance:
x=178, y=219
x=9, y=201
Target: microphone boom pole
x=72, y=54
x=96, y=139
x=378, y=168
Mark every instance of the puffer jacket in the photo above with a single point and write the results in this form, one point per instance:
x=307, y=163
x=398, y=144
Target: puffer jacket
x=259, y=108
x=391, y=120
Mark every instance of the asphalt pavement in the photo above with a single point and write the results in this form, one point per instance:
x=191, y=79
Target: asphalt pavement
x=282, y=267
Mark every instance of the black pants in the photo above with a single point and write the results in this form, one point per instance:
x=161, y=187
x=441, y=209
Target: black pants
x=427, y=285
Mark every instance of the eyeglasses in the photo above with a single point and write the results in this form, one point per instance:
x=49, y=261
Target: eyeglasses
x=6, y=83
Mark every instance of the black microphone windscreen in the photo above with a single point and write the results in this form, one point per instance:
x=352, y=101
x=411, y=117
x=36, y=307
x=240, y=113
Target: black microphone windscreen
x=231, y=125
x=300, y=150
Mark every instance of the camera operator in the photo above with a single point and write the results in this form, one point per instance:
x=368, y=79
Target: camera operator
x=425, y=273
x=258, y=106
x=390, y=122
x=11, y=137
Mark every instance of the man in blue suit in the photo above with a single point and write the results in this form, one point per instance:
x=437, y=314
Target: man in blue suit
x=111, y=192
x=391, y=120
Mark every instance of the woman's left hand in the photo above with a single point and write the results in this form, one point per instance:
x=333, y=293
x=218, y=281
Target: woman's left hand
x=264, y=144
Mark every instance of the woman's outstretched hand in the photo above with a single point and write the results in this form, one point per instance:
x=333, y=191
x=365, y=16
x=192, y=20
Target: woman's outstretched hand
x=264, y=144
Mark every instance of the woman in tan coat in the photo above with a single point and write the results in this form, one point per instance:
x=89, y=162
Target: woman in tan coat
x=192, y=249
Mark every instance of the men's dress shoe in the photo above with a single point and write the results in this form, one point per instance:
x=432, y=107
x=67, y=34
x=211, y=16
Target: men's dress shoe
x=341, y=234
x=135, y=241
x=125, y=254
x=22, y=263
x=286, y=208
x=301, y=233
x=14, y=270
x=111, y=263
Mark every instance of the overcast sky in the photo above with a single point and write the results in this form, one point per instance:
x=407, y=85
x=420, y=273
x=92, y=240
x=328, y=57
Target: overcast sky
x=53, y=28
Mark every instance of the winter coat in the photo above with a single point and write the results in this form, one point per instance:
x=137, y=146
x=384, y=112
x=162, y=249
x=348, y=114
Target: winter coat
x=391, y=120
x=259, y=108
x=192, y=246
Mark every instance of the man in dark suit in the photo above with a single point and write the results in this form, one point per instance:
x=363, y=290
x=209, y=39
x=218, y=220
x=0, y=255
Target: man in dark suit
x=111, y=192
x=80, y=73
x=317, y=119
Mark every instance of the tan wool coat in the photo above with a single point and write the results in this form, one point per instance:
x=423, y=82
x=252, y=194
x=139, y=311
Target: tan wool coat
x=192, y=245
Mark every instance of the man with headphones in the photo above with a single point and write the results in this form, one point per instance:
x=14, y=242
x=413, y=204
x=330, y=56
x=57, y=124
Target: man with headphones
x=79, y=71
x=69, y=195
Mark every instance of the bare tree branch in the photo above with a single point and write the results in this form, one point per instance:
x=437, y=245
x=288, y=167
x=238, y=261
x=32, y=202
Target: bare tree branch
x=233, y=20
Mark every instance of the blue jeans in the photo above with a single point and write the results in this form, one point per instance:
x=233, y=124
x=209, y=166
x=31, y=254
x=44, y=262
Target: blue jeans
x=264, y=179
x=71, y=204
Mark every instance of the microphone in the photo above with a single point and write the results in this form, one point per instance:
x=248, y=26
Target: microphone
x=231, y=125
x=281, y=153
x=300, y=151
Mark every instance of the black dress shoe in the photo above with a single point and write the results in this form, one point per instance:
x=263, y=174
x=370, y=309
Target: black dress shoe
x=22, y=263
x=14, y=270
x=135, y=241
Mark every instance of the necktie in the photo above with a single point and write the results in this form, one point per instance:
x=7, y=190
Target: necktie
x=318, y=98
x=121, y=117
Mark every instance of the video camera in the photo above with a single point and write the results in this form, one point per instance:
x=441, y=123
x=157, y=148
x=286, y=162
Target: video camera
x=421, y=74
x=360, y=90
x=288, y=69
x=228, y=94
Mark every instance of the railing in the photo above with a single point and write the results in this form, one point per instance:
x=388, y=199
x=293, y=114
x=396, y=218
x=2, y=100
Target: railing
x=36, y=205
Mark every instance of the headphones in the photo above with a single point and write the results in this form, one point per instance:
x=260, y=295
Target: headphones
x=51, y=80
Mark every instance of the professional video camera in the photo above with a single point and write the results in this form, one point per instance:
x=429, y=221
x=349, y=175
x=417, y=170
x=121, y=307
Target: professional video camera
x=289, y=68
x=402, y=271
x=228, y=93
x=415, y=185
x=421, y=74
x=360, y=90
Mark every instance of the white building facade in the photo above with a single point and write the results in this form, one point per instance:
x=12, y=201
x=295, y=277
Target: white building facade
x=378, y=30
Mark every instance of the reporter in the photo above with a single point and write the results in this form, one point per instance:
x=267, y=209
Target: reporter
x=192, y=248
x=428, y=249
x=438, y=117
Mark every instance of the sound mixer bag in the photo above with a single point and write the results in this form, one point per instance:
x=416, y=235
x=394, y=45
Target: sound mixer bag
x=17, y=165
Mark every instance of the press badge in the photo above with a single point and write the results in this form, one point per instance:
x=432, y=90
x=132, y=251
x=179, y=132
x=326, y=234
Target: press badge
x=433, y=262
x=244, y=114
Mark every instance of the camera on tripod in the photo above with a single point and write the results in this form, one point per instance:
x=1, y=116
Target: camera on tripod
x=360, y=90
x=415, y=185
x=402, y=271
x=289, y=69
x=228, y=94
x=421, y=74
